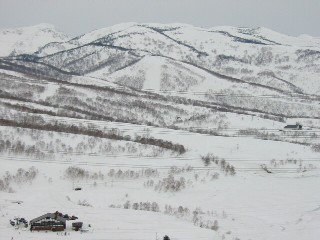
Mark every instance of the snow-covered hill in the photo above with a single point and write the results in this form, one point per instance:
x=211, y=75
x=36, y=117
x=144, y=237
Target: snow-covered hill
x=168, y=129
x=259, y=56
x=28, y=39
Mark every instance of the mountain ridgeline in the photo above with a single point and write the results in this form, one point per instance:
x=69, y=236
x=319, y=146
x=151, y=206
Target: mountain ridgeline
x=153, y=74
x=182, y=57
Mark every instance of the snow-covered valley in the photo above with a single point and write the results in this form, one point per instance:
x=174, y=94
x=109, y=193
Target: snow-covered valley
x=167, y=129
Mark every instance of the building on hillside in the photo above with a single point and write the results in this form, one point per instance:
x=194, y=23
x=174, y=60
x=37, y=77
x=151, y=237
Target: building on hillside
x=294, y=127
x=77, y=225
x=49, y=221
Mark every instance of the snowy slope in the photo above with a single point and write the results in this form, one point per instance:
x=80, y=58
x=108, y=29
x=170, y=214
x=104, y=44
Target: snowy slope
x=243, y=53
x=110, y=111
x=28, y=39
x=158, y=74
x=268, y=36
x=253, y=55
x=252, y=204
x=102, y=32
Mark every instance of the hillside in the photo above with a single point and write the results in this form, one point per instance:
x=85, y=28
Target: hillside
x=29, y=39
x=167, y=129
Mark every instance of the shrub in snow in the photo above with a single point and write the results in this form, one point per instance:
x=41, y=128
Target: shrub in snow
x=196, y=176
x=214, y=176
x=161, y=143
x=22, y=176
x=76, y=173
x=197, y=216
x=73, y=172
x=207, y=159
x=84, y=203
x=149, y=183
x=127, y=205
x=142, y=206
x=215, y=225
x=135, y=206
x=170, y=184
x=155, y=207
x=226, y=167
x=38, y=123
x=300, y=165
x=265, y=168
x=176, y=170
x=315, y=147
x=130, y=174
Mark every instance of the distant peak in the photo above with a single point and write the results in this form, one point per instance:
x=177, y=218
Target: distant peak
x=305, y=36
x=44, y=25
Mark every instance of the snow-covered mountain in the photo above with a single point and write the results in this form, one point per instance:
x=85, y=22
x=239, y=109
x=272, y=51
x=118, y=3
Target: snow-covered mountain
x=258, y=57
x=167, y=129
x=28, y=39
x=189, y=62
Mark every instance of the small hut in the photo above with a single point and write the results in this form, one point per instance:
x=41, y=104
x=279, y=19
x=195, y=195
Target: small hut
x=77, y=225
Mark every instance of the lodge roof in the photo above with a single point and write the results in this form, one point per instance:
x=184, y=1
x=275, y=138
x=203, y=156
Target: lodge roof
x=49, y=215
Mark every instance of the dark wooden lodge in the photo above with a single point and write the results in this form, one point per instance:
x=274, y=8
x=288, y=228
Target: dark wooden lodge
x=294, y=127
x=49, y=221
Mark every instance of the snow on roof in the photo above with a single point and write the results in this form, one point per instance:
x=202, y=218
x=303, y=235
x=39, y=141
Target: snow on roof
x=49, y=215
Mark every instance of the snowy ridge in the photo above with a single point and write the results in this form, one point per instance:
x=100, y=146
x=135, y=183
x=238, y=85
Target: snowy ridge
x=246, y=54
x=256, y=56
x=99, y=33
x=269, y=36
x=28, y=39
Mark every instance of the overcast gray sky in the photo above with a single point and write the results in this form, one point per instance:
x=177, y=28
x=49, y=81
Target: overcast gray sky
x=292, y=17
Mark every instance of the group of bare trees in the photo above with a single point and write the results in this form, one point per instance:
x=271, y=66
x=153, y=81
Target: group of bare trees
x=39, y=124
x=133, y=174
x=22, y=176
x=170, y=184
x=225, y=167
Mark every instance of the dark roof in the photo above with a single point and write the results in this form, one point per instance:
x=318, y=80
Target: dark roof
x=293, y=126
x=49, y=215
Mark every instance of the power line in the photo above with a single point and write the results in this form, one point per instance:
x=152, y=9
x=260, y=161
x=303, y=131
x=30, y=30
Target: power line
x=162, y=167
x=176, y=158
